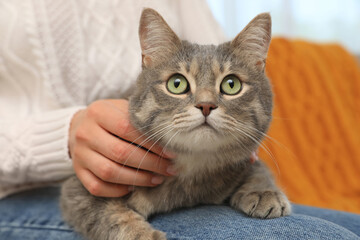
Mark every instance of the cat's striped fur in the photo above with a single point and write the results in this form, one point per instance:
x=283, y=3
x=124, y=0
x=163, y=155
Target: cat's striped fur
x=213, y=158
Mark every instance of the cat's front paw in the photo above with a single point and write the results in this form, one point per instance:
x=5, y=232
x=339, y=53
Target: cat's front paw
x=264, y=204
x=153, y=235
x=141, y=234
x=158, y=235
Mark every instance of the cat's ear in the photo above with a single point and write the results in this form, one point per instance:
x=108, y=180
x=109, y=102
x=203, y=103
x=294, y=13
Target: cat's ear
x=252, y=43
x=157, y=39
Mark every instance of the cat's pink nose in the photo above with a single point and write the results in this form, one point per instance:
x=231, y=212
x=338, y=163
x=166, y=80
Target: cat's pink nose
x=206, y=108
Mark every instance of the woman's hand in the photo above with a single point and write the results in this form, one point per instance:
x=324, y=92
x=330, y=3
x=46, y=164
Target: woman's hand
x=107, y=165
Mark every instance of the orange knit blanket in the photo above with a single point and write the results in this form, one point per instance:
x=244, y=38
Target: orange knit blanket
x=315, y=133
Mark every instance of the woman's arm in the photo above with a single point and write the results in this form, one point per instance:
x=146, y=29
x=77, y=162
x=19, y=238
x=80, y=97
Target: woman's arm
x=33, y=149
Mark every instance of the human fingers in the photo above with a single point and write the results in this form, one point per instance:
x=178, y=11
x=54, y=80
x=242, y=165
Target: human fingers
x=111, y=172
x=115, y=119
x=128, y=154
x=99, y=188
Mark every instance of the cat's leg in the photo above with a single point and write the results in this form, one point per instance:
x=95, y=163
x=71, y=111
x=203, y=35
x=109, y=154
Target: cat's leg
x=103, y=219
x=259, y=196
x=170, y=195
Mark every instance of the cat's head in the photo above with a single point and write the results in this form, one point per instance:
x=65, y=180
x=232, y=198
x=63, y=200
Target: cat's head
x=202, y=98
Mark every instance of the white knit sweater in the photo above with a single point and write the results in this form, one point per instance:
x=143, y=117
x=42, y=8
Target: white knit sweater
x=58, y=56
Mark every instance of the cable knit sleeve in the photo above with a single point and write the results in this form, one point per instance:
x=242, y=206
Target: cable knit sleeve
x=35, y=107
x=34, y=149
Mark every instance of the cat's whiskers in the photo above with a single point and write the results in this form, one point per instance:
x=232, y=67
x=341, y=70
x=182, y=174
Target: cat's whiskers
x=246, y=129
x=187, y=123
x=236, y=122
x=143, y=135
x=147, y=139
x=182, y=121
x=148, y=125
x=141, y=161
x=259, y=143
x=228, y=125
x=253, y=128
x=239, y=141
x=272, y=139
x=167, y=143
x=182, y=115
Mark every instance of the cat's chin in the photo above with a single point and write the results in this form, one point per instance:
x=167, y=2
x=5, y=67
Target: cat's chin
x=204, y=128
x=199, y=139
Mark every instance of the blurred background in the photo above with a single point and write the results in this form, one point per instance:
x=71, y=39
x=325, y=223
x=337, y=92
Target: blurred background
x=313, y=148
x=315, y=20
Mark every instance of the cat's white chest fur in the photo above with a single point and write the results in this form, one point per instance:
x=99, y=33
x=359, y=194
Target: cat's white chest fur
x=191, y=164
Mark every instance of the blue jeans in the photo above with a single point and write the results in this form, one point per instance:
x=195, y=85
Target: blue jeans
x=35, y=215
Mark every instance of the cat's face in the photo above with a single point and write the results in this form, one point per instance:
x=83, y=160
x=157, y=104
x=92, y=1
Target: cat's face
x=194, y=98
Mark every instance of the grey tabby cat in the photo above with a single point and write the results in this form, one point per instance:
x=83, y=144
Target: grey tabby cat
x=211, y=106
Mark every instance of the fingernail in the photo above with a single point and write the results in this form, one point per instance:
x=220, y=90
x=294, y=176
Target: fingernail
x=171, y=170
x=157, y=180
x=255, y=156
x=168, y=154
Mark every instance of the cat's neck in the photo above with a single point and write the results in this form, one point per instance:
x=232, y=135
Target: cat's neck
x=194, y=164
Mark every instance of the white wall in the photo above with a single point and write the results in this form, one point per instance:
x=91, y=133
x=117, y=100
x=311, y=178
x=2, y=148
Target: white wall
x=316, y=20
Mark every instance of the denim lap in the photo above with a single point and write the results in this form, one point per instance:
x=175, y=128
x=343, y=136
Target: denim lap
x=35, y=214
x=222, y=222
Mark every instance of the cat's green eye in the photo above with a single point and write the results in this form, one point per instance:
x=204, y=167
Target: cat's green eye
x=231, y=85
x=177, y=84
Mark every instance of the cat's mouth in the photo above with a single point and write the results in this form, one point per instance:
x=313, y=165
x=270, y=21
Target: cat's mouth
x=205, y=125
